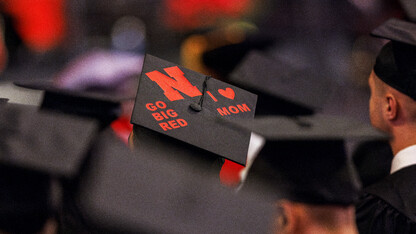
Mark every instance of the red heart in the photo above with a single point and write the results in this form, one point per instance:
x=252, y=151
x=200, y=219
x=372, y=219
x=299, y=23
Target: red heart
x=228, y=93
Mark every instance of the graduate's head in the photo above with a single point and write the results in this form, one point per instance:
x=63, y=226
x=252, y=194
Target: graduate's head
x=299, y=218
x=393, y=79
x=305, y=172
x=316, y=187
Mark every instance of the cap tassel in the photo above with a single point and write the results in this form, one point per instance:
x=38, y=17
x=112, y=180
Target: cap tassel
x=198, y=106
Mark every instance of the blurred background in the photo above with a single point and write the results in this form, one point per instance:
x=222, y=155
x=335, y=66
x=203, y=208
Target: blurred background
x=39, y=38
x=89, y=43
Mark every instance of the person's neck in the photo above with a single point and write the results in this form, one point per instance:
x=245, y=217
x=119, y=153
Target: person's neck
x=342, y=221
x=402, y=138
x=351, y=229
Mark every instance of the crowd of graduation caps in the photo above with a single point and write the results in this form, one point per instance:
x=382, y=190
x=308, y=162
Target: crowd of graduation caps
x=63, y=162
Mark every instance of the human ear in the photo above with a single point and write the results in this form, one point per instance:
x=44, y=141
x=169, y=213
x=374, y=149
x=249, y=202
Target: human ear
x=286, y=220
x=391, y=108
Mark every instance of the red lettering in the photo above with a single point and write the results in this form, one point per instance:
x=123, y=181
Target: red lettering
x=151, y=107
x=182, y=122
x=171, y=113
x=243, y=107
x=233, y=109
x=173, y=124
x=223, y=111
x=164, y=126
x=161, y=104
x=164, y=115
x=157, y=116
x=212, y=96
x=171, y=86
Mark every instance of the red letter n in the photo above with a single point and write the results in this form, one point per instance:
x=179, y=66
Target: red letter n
x=171, y=86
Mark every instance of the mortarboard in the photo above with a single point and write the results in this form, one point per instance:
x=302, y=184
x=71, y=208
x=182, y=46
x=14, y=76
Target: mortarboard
x=395, y=64
x=94, y=102
x=282, y=88
x=120, y=193
x=314, y=127
x=225, y=58
x=44, y=141
x=36, y=145
x=305, y=159
x=181, y=104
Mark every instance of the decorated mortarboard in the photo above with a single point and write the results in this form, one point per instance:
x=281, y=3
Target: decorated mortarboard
x=47, y=142
x=395, y=64
x=305, y=159
x=282, y=88
x=101, y=103
x=119, y=193
x=183, y=104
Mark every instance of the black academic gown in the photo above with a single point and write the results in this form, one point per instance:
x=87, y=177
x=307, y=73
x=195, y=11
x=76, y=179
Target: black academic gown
x=389, y=206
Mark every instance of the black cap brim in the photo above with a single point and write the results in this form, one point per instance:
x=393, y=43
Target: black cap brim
x=100, y=94
x=291, y=90
x=52, y=143
x=397, y=30
x=305, y=159
x=122, y=192
x=315, y=127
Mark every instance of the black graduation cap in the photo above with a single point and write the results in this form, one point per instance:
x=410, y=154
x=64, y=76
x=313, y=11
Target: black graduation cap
x=305, y=159
x=224, y=59
x=282, y=88
x=121, y=193
x=395, y=63
x=36, y=146
x=44, y=141
x=182, y=106
x=95, y=102
x=3, y=100
x=24, y=200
